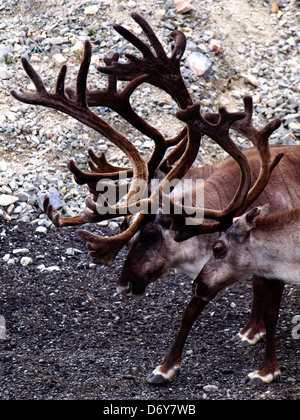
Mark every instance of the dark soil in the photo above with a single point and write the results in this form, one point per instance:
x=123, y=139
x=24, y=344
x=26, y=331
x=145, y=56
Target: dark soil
x=71, y=336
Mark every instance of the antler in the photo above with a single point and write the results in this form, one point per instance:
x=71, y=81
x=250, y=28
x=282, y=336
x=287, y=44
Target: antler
x=244, y=196
x=78, y=109
x=163, y=72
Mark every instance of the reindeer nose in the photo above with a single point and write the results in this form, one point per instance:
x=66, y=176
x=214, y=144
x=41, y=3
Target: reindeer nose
x=200, y=289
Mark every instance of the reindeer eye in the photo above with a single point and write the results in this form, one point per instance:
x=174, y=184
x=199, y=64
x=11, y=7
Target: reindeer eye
x=150, y=236
x=219, y=249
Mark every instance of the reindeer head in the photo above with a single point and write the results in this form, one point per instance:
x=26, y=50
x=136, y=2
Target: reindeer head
x=232, y=258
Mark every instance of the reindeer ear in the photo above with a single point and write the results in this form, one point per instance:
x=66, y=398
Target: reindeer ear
x=251, y=216
x=254, y=213
x=243, y=225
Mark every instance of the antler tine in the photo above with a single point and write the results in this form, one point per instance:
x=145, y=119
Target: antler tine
x=158, y=48
x=100, y=164
x=179, y=46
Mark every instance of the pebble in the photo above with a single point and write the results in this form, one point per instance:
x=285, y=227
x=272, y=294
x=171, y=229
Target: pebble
x=91, y=10
x=210, y=388
x=18, y=251
x=5, y=74
x=25, y=261
x=182, y=6
x=59, y=59
x=41, y=229
x=7, y=200
x=198, y=63
x=2, y=327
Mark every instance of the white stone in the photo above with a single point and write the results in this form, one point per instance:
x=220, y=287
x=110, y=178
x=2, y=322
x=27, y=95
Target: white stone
x=5, y=74
x=91, y=10
x=7, y=200
x=2, y=327
x=3, y=166
x=41, y=229
x=59, y=59
x=17, y=251
x=182, y=6
x=210, y=388
x=113, y=225
x=25, y=261
x=78, y=48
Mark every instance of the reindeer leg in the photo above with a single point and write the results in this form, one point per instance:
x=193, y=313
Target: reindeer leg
x=255, y=328
x=269, y=369
x=171, y=362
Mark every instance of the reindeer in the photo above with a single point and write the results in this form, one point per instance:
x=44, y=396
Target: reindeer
x=255, y=244
x=166, y=235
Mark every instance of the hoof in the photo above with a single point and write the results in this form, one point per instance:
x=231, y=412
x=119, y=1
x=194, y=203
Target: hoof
x=241, y=341
x=157, y=378
x=255, y=378
x=244, y=339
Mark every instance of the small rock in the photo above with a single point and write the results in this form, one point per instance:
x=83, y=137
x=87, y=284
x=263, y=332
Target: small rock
x=41, y=229
x=73, y=251
x=42, y=267
x=113, y=226
x=275, y=8
x=59, y=59
x=78, y=48
x=22, y=196
x=182, y=6
x=2, y=328
x=131, y=4
x=271, y=103
x=25, y=261
x=4, y=53
x=7, y=200
x=59, y=40
x=250, y=79
x=215, y=46
x=198, y=63
x=91, y=10
x=20, y=251
x=5, y=74
x=3, y=166
x=210, y=388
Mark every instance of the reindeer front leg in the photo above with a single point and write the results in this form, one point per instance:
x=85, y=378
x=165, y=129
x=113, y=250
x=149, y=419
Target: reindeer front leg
x=255, y=328
x=171, y=362
x=269, y=369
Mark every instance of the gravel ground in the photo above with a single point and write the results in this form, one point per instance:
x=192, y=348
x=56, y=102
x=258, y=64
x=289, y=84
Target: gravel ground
x=71, y=336
x=67, y=337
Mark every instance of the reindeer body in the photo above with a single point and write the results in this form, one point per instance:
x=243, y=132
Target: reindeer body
x=274, y=244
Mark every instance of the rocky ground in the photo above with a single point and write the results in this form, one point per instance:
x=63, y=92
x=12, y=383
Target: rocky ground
x=69, y=335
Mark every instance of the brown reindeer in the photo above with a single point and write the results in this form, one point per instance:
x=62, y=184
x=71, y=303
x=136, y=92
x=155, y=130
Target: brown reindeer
x=151, y=235
x=267, y=247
